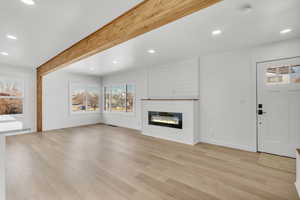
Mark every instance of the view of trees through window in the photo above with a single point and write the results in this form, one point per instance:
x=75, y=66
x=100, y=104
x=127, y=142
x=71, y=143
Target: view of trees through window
x=106, y=98
x=130, y=97
x=85, y=99
x=11, y=97
x=92, y=98
x=119, y=98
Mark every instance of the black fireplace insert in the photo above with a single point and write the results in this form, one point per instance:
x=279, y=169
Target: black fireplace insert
x=167, y=119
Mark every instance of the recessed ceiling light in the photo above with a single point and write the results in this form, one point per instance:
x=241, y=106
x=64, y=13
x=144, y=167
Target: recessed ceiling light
x=4, y=53
x=152, y=51
x=11, y=37
x=92, y=68
x=28, y=2
x=284, y=31
x=216, y=32
x=115, y=62
x=247, y=8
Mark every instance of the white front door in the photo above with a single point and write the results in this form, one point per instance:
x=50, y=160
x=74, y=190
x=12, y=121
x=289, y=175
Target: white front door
x=278, y=106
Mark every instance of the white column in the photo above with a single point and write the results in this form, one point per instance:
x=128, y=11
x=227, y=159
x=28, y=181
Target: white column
x=2, y=167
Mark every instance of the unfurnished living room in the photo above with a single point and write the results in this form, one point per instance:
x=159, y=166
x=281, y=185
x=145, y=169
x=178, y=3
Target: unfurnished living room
x=149, y=100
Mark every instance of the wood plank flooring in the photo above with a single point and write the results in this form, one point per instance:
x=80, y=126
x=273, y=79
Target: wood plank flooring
x=106, y=163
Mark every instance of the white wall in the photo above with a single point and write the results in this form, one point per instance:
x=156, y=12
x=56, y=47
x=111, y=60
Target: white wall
x=29, y=76
x=173, y=80
x=57, y=101
x=227, y=93
x=227, y=100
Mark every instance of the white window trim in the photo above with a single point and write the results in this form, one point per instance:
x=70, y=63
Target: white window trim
x=84, y=86
x=119, y=112
x=13, y=97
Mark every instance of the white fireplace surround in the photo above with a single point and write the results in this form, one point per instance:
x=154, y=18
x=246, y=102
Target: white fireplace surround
x=189, y=134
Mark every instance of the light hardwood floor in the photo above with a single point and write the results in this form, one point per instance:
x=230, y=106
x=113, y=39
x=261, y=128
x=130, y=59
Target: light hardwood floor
x=105, y=163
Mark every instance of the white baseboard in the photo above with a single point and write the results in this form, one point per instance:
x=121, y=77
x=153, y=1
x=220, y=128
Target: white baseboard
x=168, y=139
x=298, y=188
x=230, y=145
x=71, y=126
x=122, y=125
x=25, y=131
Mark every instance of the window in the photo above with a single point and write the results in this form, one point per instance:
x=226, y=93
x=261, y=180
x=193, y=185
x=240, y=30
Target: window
x=84, y=99
x=119, y=98
x=106, y=98
x=92, y=99
x=129, y=98
x=11, y=97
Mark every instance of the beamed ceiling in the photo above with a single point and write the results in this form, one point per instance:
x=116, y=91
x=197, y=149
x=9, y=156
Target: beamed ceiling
x=46, y=29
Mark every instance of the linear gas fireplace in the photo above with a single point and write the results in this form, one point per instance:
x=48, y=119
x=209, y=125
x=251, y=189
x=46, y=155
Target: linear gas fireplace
x=167, y=119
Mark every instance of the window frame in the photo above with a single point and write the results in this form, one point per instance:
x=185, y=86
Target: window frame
x=22, y=82
x=109, y=111
x=85, y=87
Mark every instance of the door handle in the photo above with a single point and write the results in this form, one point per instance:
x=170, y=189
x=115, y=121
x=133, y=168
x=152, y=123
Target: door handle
x=260, y=109
x=261, y=112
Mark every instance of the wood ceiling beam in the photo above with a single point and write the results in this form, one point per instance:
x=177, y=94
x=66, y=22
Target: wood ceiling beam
x=146, y=16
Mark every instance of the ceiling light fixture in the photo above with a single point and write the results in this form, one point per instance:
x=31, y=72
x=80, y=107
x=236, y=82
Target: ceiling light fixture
x=247, y=8
x=4, y=53
x=216, y=32
x=152, y=51
x=115, y=62
x=12, y=37
x=284, y=31
x=92, y=68
x=28, y=2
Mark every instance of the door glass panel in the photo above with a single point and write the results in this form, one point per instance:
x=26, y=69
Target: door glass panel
x=295, y=73
x=278, y=75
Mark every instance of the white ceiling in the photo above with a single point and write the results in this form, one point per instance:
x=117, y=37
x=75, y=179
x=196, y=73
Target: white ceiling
x=51, y=26
x=191, y=36
x=46, y=29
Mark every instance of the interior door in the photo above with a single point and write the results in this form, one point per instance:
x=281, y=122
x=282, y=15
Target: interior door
x=278, y=106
